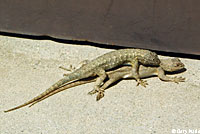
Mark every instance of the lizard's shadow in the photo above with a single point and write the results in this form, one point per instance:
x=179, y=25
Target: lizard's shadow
x=177, y=72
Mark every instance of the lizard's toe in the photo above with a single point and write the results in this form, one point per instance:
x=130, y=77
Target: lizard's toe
x=93, y=92
x=179, y=79
x=100, y=95
x=142, y=83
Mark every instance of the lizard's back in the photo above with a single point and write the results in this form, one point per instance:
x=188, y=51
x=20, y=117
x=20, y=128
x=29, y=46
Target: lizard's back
x=119, y=57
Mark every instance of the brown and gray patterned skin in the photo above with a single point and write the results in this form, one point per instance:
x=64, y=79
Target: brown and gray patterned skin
x=105, y=62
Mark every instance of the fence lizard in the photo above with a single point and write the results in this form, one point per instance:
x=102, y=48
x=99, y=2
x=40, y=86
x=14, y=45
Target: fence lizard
x=108, y=61
x=166, y=65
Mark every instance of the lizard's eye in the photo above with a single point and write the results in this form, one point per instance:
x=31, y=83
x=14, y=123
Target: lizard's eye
x=176, y=65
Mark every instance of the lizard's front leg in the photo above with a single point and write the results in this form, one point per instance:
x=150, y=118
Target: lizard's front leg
x=102, y=76
x=135, y=73
x=162, y=76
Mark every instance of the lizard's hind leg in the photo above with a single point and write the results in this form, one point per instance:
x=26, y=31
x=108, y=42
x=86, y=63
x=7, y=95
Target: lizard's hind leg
x=112, y=78
x=72, y=68
x=102, y=89
x=102, y=76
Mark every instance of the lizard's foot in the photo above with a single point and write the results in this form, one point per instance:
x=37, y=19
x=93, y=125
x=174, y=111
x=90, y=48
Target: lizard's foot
x=142, y=83
x=178, y=79
x=100, y=95
x=93, y=92
x=70, y=69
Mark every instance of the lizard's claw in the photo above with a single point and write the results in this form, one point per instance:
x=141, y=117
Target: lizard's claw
x=178, y=79
x=93, y=92
x=142, y=83
x=100, y=95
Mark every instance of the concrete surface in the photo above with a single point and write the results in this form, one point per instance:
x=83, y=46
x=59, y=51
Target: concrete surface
x=28, y=67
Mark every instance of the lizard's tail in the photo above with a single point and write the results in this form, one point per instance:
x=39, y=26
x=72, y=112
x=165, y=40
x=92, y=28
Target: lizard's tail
x=70, y=85
x=66, y=79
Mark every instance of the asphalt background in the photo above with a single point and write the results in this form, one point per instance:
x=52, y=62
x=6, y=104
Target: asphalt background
x=28, y=67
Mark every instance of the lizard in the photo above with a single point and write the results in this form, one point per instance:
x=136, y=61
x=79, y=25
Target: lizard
x=166, y=65
x=99, y=66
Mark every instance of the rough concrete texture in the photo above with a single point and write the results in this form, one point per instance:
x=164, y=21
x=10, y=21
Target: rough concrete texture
x=28, y=67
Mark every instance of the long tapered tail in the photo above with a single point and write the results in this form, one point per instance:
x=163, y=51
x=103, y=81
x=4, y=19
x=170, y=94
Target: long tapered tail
x=66, y=79
x=70, y=85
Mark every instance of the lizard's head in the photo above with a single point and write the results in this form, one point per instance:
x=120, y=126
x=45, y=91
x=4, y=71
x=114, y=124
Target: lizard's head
x=171, y=65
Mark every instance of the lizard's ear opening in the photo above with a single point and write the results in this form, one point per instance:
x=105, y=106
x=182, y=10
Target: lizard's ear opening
x=164, y=66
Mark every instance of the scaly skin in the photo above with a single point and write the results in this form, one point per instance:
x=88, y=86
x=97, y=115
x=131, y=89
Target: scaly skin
x=169, y=65
x=105, y=62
